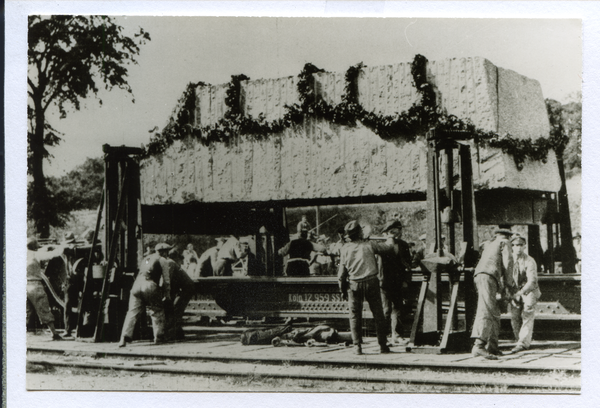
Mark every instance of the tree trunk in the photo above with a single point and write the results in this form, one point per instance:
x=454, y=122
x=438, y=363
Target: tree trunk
x=39, y=192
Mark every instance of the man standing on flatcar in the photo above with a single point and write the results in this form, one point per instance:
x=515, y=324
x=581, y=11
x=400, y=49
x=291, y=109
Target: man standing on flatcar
x=493, y=274
x=394, y=277
x=299, y=251
x=230, y=253
x=358, y=280
x=207, y=263
x=522, y=306
x=188, y=254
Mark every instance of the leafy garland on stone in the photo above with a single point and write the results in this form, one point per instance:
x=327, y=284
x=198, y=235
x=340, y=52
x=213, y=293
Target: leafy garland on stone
x=178, y=127
x=419, y=118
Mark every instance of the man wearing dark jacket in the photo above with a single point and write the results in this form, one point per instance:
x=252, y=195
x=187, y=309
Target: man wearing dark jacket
x=394, y=277
x=493, y=275
x=299, y=251
x=146, y=293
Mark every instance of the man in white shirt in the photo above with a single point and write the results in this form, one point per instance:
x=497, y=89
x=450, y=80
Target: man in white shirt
x=522, y=306
x=230, y=253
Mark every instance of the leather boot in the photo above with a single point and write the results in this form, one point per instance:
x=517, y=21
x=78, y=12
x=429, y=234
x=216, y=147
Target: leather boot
x=479, y=351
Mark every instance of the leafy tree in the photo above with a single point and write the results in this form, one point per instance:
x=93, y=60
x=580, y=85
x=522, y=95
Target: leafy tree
x=80, y=189
x=571, y=119
x=56, y=213
x=68, y=57
x=83, y=185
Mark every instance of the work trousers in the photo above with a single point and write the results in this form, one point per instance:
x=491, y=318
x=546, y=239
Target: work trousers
x=182, y=290
x=71, y=305
x=37, y=301
x=486, y=328
x=391, y=299
x=145, y=293
x=522, y=319
x=297, y=267
x=358, y=292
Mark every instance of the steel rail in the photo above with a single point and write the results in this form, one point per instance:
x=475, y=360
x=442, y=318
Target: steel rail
x=156, y=368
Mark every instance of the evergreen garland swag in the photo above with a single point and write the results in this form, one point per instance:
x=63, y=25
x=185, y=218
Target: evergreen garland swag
x=420, y=117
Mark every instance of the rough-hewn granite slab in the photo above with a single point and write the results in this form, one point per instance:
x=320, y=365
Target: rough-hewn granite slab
x=321, y=160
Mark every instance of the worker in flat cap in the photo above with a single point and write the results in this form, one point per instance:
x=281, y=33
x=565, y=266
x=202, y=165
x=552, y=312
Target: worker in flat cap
x=522, y=306
x=148, y=292
x=299, y=250
x=394, y=277
x=182, y=290
x=358, y=277
x=493, y=274
x=37, y=300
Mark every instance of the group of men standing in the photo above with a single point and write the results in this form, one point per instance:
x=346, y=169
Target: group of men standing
x=361, y=278
x=504, y=273
x=164, y=289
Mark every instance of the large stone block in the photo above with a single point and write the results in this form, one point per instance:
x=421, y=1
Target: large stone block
x=322, y=160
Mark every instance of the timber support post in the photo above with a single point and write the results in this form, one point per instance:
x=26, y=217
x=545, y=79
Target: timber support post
x=435, y=337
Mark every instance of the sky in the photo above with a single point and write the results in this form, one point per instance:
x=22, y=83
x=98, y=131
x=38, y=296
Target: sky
x=211, y=49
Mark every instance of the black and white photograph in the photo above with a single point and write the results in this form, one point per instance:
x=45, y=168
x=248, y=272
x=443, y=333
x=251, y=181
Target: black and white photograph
x=225, y=202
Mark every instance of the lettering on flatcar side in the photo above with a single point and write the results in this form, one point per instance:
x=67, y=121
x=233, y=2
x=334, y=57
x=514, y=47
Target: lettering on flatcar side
x=314, y=297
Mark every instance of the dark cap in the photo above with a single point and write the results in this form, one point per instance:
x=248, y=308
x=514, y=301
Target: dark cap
x=392, y=224
x=503, y=231
x=353, y=229
x=162, y=247
x=518, y=238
